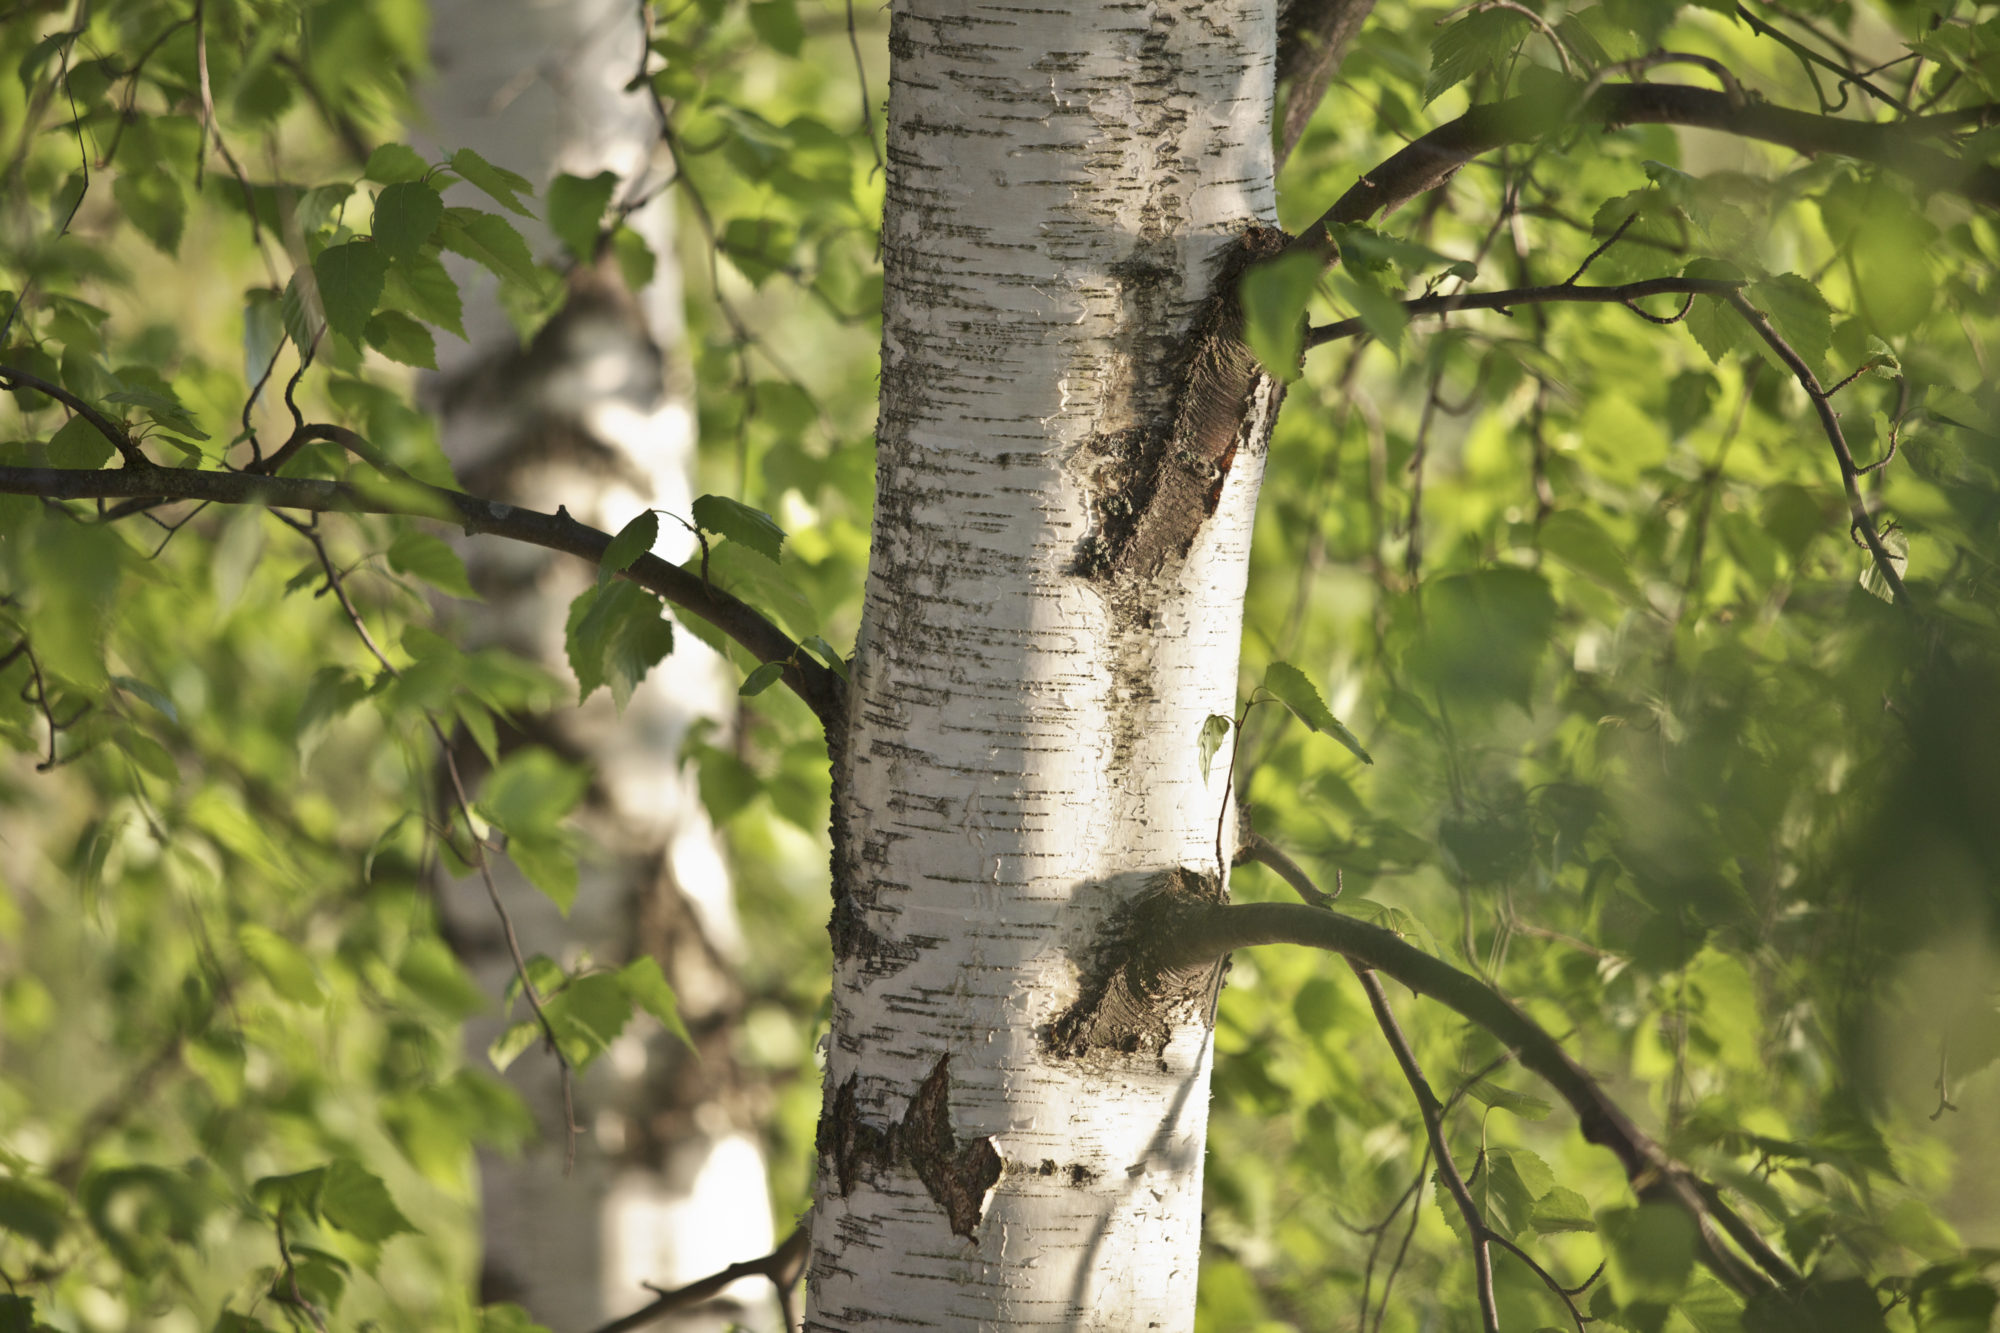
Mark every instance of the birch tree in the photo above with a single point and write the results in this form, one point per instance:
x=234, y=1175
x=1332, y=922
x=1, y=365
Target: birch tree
x=1629, y=512
x=657, y=1176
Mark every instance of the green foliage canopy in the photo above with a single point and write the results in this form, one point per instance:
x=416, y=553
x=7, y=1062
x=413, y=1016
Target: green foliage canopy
x=1683, y=728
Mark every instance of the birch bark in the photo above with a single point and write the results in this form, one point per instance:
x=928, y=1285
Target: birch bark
x=669, y=1182
x=1023, y=751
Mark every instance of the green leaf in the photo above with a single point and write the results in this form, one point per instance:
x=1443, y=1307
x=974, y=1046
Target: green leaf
x=647, y=985
x=1273, y=295
x=503, y=185
x=79, y=445
x=777, y=24
x=636, y=261
x=504, y=1049
x=549, y=862
x=827, y=653
x=1464, y=48
x=1648, y=1252
x=282, y=963
x=739, y=522
x=400, y=338
x=263, y=330
x=1214, y=729
x=1290, y=687
x=32, y=1209
x=1872, y=578
x=532, y=792
x=149, y=694
x=507, y=1318
x=1574, y=537
x=406, y=216
x=394, y=163
x=1506, y=1099
x=1716, y=328
x=295, y=1193
x=761, y=679
x=423, y=287
x=576, y=209
x=357, y=1202
x=1799, y=313
x=588, y=1014
x=433, y=972
x=350, y=281
x=614, y=636
x=425, y=557
x=152, y=201
x=489, y=240
x=633, y=540
x=1561, y=1209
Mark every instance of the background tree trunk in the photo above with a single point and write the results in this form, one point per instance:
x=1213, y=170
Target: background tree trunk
x=1023, y=755
x=596, y=415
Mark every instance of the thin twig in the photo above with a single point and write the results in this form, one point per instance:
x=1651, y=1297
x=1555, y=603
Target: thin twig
x=1623, y=293
x=337, y=586
x=1829, y=420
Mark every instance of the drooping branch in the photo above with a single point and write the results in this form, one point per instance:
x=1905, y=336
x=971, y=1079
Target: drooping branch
x=1187, y=932
x=1904, y=146
x=1857, y=508
x=1621, y=294
x=817, y=685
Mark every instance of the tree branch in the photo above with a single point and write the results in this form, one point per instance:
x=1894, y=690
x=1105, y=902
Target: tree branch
x=1313, y=35
x=817, y=685
x=1829, y=420
x=1192, y=931
x=1621, y=294
x=17, y=379
x=1433, y=159
x=782, y=1266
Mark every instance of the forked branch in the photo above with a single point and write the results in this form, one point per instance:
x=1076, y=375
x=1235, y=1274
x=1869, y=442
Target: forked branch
x=1189, y=931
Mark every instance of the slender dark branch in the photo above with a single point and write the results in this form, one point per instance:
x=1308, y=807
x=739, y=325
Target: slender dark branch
x=1433, y=159
x=338, y=588
x=1623, y=293
x=1256, y=847
x=782, y=1266
x=17, y=379
x=1808, y=56
x=1432, y=1111
x=816, y=684
x=1194, y=932
x=1313, y=35
x=1829, y=421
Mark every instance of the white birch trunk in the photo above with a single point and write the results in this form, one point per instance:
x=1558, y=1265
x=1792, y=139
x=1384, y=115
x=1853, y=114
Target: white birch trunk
x=1023, y=755
x=669, y=1183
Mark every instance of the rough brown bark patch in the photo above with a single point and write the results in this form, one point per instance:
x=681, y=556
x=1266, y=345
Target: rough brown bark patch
x=956, y=1174
x=1159, y=487
x=1129, y=1002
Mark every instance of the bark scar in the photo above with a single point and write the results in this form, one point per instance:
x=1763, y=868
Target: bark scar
x=1174, y=480
x=957, y=1174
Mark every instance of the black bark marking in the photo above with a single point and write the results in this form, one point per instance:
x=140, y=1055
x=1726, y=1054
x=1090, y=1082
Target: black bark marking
x=956, y=1174
x=1130, y=1002
x=1160, y=485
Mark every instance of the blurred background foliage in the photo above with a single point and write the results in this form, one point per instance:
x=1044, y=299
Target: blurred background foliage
x=1653, y=752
